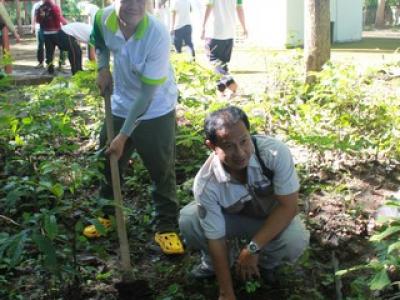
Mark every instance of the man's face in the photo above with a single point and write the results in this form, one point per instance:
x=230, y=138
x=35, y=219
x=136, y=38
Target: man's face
x=131, y=11
x=233, y=146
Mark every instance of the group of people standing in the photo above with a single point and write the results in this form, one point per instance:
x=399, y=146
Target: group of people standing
x=218, y=29
x=247, y=188
x=53, y=30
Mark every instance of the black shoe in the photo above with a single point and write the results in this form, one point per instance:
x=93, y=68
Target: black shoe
x=50, y=69
x=39, y=66
x=201, y=271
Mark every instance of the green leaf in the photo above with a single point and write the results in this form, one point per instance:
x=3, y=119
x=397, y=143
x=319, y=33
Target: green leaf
x=57, y=190
x=99, y=227
x=380, y=280
x=27, y=120
x=341, y=272
x=387, y=232
x=50, y=226
x=47, y=249
x=5, y=242
x=17, y=247
x=19, y=141
x=394, y=246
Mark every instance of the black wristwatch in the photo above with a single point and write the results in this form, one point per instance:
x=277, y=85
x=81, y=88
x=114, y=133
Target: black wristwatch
x=253, y=248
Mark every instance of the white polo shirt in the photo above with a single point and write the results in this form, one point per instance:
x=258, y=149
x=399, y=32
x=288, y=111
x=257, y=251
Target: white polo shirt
x=143, y=58
x=217, y=193
x=222, y=20
x=35, y=6
x=80, y=31
x=182, y=10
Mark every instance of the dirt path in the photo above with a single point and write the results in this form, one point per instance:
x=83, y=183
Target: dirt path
x=248, y=65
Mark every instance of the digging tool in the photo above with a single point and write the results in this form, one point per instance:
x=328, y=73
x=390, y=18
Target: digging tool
x=115, y=178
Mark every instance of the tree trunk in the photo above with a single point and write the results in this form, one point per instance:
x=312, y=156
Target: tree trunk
x=18, y=13
x=27, y=19
x=317, y=36
x=380, y=14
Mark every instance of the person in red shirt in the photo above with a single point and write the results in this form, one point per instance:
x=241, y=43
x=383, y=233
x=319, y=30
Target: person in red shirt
x=50, y=18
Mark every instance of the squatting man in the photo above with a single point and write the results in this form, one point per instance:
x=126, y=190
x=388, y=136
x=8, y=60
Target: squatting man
x=248, y=189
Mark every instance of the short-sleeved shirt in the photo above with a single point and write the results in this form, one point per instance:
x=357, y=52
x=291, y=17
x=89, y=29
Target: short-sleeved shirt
x=50, y=18
x=80, y=31
x=143, y=58
x=217, y=193
x=182, y=10
x=87, y=8
x=35, y=6
x=221, y=25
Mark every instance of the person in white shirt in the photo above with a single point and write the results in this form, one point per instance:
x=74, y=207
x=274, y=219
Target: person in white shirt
x=143, y=101
x=181, y=26
x=220, y=32
x=88, y=10
x=39, y=35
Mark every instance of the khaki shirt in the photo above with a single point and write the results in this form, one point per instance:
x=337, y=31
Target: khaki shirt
x=217, y=193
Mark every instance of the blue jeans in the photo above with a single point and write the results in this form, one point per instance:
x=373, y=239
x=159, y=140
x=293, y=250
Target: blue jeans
x=40, y=46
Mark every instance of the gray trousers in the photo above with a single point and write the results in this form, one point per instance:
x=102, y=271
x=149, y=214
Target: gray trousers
x=154, y=140
x=286, y=247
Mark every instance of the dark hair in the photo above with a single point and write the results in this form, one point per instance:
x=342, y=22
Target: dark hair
x=223, y=118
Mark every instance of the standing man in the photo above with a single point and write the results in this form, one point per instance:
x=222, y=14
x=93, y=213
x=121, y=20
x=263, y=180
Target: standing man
x=220, y=32
x=39, y=35
x=5, y=20
x=144, y=96
x=247, y=189
x=50, y=18
x=181, y=26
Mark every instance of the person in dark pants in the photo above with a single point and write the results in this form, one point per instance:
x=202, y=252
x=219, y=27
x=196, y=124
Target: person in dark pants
x=68, y=43
x=143, y=101
x=219, y=35
x=181, y=25
x=39, y=35
x=50, y=18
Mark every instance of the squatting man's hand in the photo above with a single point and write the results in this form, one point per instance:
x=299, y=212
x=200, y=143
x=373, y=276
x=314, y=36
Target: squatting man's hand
x=117, y=145
x=247, y=265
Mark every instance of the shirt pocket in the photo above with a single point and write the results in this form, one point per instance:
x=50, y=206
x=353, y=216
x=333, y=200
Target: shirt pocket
x=137, y=65
x=238, y=204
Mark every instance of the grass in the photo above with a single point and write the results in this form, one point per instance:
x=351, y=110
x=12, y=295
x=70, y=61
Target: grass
x=369, y=44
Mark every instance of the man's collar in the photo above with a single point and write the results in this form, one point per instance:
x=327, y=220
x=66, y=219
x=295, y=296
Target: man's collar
x=222, y=175
x=112, y=25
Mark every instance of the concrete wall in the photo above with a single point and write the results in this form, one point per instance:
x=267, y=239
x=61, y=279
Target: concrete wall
x=267, y=22
x=276, y=24
x=348, y=20
x=295, y=22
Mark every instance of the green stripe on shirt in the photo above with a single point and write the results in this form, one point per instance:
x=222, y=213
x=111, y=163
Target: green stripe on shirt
x=96, y=36
x=153, y=81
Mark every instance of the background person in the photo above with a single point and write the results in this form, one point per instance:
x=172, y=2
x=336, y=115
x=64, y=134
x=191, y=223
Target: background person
x=181, y=25
x=50, y=19
x=220, y=31
x=5, y=20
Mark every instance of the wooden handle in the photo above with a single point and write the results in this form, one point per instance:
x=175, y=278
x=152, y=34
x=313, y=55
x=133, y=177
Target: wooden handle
x=119, y=215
